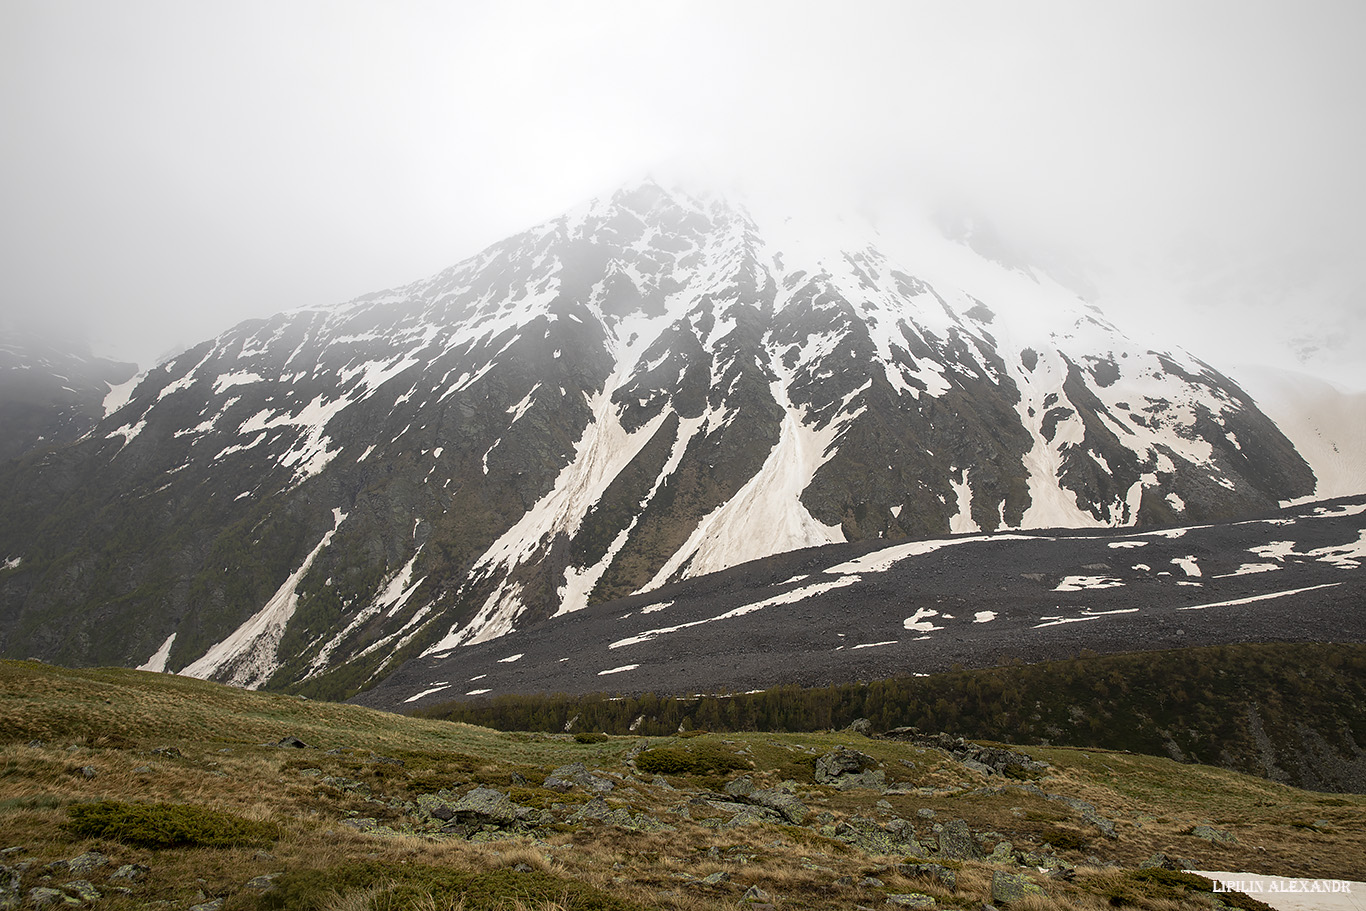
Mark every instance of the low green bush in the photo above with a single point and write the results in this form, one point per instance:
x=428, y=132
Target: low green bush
x=589, y=737
x=699, y=759
x=166, y=825
x=1065, y=839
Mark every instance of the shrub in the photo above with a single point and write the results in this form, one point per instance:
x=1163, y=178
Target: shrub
x=1065, y=839
x=165, y=825
x=589, y=737
x=693, y=760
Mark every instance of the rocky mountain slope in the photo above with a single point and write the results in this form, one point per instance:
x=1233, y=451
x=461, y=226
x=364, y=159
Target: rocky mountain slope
x=51, y=393
x=858, y=612
x=649, y=388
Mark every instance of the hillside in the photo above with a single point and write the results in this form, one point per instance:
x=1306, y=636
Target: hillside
x=124, y=789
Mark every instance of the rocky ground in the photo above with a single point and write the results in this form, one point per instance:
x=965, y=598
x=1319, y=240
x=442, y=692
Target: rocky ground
x=123, y=789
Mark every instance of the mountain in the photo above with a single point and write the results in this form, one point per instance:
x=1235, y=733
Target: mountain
x=51, y=393
x=649, y=388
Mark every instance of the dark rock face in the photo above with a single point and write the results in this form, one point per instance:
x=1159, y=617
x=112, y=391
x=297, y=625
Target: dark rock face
x=644, y=390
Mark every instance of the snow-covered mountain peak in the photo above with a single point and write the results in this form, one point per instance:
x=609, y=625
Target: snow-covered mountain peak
x=654, y=385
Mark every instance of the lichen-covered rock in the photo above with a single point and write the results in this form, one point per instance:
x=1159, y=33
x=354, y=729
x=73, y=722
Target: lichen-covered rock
x=435, y=806
x=937, y=872
x=84, y=863
x=43, y=897
x=871, y=838
x=917, y=900
x=133, y=873
x=577, y=775
x=485, y=805
x=782, y=802
x=83, y=890
x=1209, y=833
x=1011, y=887
x=845, y=768
x=956, y=841
x=740, y=787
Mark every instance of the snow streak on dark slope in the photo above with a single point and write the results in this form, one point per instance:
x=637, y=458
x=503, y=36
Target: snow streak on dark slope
x=649, y=388
x=849, y=612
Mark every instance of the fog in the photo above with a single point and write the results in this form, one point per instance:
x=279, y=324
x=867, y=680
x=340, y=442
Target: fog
x=169, y=169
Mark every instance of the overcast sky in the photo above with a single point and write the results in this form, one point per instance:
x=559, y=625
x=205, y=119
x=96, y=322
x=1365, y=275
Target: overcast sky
x=168, y=169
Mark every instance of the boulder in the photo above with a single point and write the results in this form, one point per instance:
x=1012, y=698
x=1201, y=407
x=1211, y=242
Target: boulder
x=1011, y=887
x=871, y=838
x=1211, y=834
x=485, y=805
x=937, y=872
x=83, y=890
x=84, y=863
x=845, y=768
x=841, y=761
x=783, y=802
x=576, y=774
x=956, y=841
x=741, y=787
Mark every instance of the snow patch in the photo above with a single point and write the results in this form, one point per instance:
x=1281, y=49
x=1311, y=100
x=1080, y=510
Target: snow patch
x=1082, y=583
x=157, y=663
x=1264, y=597
x=880, y=561
x=920, y=622
x=1188, y=566
x=789, y=597
x=1343, y=556
x=766, y=515
x=618, y=670
x=250, y=655
x=120, y=395
x=240, y=378
x=1248, y=569
x=1086, y=614
x=962, y=521
x=427, y=692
